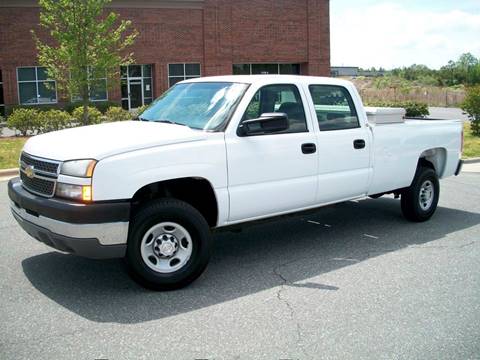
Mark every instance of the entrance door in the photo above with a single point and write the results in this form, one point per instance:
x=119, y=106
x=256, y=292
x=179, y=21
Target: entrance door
x=136, y=86
x=135, y=96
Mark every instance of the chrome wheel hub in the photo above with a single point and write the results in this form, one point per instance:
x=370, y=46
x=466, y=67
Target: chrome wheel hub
x=166, y=247
x=426, y=195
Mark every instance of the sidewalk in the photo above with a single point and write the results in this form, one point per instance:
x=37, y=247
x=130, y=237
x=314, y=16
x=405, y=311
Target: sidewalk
x=471, y=168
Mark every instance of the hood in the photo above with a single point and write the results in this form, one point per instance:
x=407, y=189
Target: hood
x=103, y=140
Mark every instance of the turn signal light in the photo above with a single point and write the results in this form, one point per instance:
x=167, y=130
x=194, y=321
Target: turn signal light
x=87, y=193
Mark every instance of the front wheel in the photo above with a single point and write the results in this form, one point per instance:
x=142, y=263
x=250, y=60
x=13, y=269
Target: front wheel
x=169, y=245
x=419, y=201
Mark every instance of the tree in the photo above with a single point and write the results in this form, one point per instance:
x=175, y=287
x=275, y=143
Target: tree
x=87, y=44
x=471, y=105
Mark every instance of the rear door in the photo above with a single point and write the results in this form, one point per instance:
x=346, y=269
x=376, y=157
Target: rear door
x=272, y=173
x=343, y=144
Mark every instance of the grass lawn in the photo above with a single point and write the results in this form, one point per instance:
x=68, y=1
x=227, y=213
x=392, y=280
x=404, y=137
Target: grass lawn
x=10, y=151
x=471, y=147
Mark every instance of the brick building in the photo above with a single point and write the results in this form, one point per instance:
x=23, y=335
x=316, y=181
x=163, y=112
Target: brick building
x=178, y=39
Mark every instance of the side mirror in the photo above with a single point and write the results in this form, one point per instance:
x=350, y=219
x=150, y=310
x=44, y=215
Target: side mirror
x=267, y=123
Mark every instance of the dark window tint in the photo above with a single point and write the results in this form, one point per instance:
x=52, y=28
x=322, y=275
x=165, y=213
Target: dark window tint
x=134, y=71
x=175, y=70
x=283, y=98
x=264, y=68
x=192, y=70
x=334, y=107
x=26, y=74
x=241, y=69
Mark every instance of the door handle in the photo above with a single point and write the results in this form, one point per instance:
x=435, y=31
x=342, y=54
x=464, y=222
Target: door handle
x=359, y=143
x=309, y=148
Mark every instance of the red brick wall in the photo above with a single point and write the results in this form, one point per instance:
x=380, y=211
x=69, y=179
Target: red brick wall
x=224, y=32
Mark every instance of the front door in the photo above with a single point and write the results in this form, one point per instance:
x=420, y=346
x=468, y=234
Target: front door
x=272, y=173
x=135, y=96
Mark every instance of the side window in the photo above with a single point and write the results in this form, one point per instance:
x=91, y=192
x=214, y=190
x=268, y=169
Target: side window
x=334, y=107
x=279, y=98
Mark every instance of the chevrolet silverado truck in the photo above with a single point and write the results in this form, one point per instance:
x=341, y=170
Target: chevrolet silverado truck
x=217, y=151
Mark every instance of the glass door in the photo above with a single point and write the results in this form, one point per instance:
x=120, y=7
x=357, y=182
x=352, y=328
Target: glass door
x=135, y=96
x=136, y=86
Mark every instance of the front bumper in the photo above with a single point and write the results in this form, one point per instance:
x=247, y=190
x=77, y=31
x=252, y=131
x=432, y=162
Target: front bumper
x=459, y=167
x=97, y=230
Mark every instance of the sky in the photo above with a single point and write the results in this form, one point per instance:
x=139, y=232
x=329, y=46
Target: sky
x=397, y=33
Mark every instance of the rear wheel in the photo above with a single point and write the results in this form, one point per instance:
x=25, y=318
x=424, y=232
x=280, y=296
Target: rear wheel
x=169, y=245
x=419, y=201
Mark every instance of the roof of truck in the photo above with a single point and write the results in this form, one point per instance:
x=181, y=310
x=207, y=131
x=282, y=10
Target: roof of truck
x=252, y=79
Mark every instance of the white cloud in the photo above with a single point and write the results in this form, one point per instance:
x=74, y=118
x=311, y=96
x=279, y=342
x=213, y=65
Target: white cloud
x=391, y=35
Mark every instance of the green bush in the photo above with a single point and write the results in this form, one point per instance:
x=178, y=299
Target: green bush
x=116, y=113
x=24, y=120
x=9, y=109
x=94, y=115
x=139, y=111
x=1, y=121
x=412, y=108
x=101, y=106
x=471, y=106
x=54, y=120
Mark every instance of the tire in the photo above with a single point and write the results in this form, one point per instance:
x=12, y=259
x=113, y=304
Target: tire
x=169, y=245
x=419, y=201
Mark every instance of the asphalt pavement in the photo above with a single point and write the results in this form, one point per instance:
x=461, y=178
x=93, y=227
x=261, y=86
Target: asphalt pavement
x=349, y=281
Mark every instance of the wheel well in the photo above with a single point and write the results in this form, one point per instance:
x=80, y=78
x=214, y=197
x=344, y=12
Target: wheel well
x=434, y=159
x=197, y=192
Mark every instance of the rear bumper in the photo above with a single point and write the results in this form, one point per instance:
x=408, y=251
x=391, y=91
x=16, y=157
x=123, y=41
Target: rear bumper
x=96, y=231
x=459, y=167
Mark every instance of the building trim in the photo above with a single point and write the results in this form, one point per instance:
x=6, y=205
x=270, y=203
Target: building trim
x=149, y=4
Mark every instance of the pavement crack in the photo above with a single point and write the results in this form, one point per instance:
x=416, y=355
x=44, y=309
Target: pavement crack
x=283, y=299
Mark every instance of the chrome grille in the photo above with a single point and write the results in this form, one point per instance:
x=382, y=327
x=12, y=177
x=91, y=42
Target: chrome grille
x=45, y=166
x=43, y=174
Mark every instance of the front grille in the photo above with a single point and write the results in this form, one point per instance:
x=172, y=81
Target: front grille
x=39, y=186
x=44, y=171
x=45, y=166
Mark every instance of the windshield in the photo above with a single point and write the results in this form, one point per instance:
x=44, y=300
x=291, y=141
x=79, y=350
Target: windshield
x=199, y=105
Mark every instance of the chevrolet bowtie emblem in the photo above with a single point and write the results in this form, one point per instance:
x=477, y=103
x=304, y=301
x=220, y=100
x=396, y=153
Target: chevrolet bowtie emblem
x=29, y=171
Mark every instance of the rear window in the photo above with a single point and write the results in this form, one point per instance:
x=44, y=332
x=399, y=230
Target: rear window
x=334, y=107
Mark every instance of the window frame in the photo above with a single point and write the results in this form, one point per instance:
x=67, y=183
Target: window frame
x=2, y=104
x=184, y=77
x=141, y=78
x=349, y=99
x=36, y=81
x=307, y=129
x=273, y=63
x=89, y=79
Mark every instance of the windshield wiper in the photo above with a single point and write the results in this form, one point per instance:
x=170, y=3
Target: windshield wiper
x=169, y=122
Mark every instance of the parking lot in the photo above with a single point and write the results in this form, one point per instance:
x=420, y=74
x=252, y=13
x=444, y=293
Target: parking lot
x=354, y=280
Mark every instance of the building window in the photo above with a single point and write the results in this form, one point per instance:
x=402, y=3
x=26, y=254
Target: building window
x=136, y=86
x=250, y=69
x=34, y=87
x=2, y=101
x=180, y=72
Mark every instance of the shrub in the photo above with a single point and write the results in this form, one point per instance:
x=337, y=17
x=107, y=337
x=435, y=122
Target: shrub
x=412, y=108
x=94, y=115
x=24, y=120
x=471, y=106
x=139, y=111
x=116, y=113
x=101, y=106
x=53, y=120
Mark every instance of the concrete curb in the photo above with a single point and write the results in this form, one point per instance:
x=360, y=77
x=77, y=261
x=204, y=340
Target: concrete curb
x=472, y=160
x=8, y=172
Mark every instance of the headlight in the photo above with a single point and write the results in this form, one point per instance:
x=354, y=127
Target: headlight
x=74, y=192
x=80, y=168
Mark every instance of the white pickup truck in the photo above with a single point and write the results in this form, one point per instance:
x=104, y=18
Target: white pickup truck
x=217, y=151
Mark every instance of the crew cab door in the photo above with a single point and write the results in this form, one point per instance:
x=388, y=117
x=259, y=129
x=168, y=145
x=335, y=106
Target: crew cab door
x=272, y=173
x=343, y=144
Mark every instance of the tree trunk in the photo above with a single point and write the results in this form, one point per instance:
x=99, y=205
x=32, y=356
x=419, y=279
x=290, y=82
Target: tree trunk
x=85, y=106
